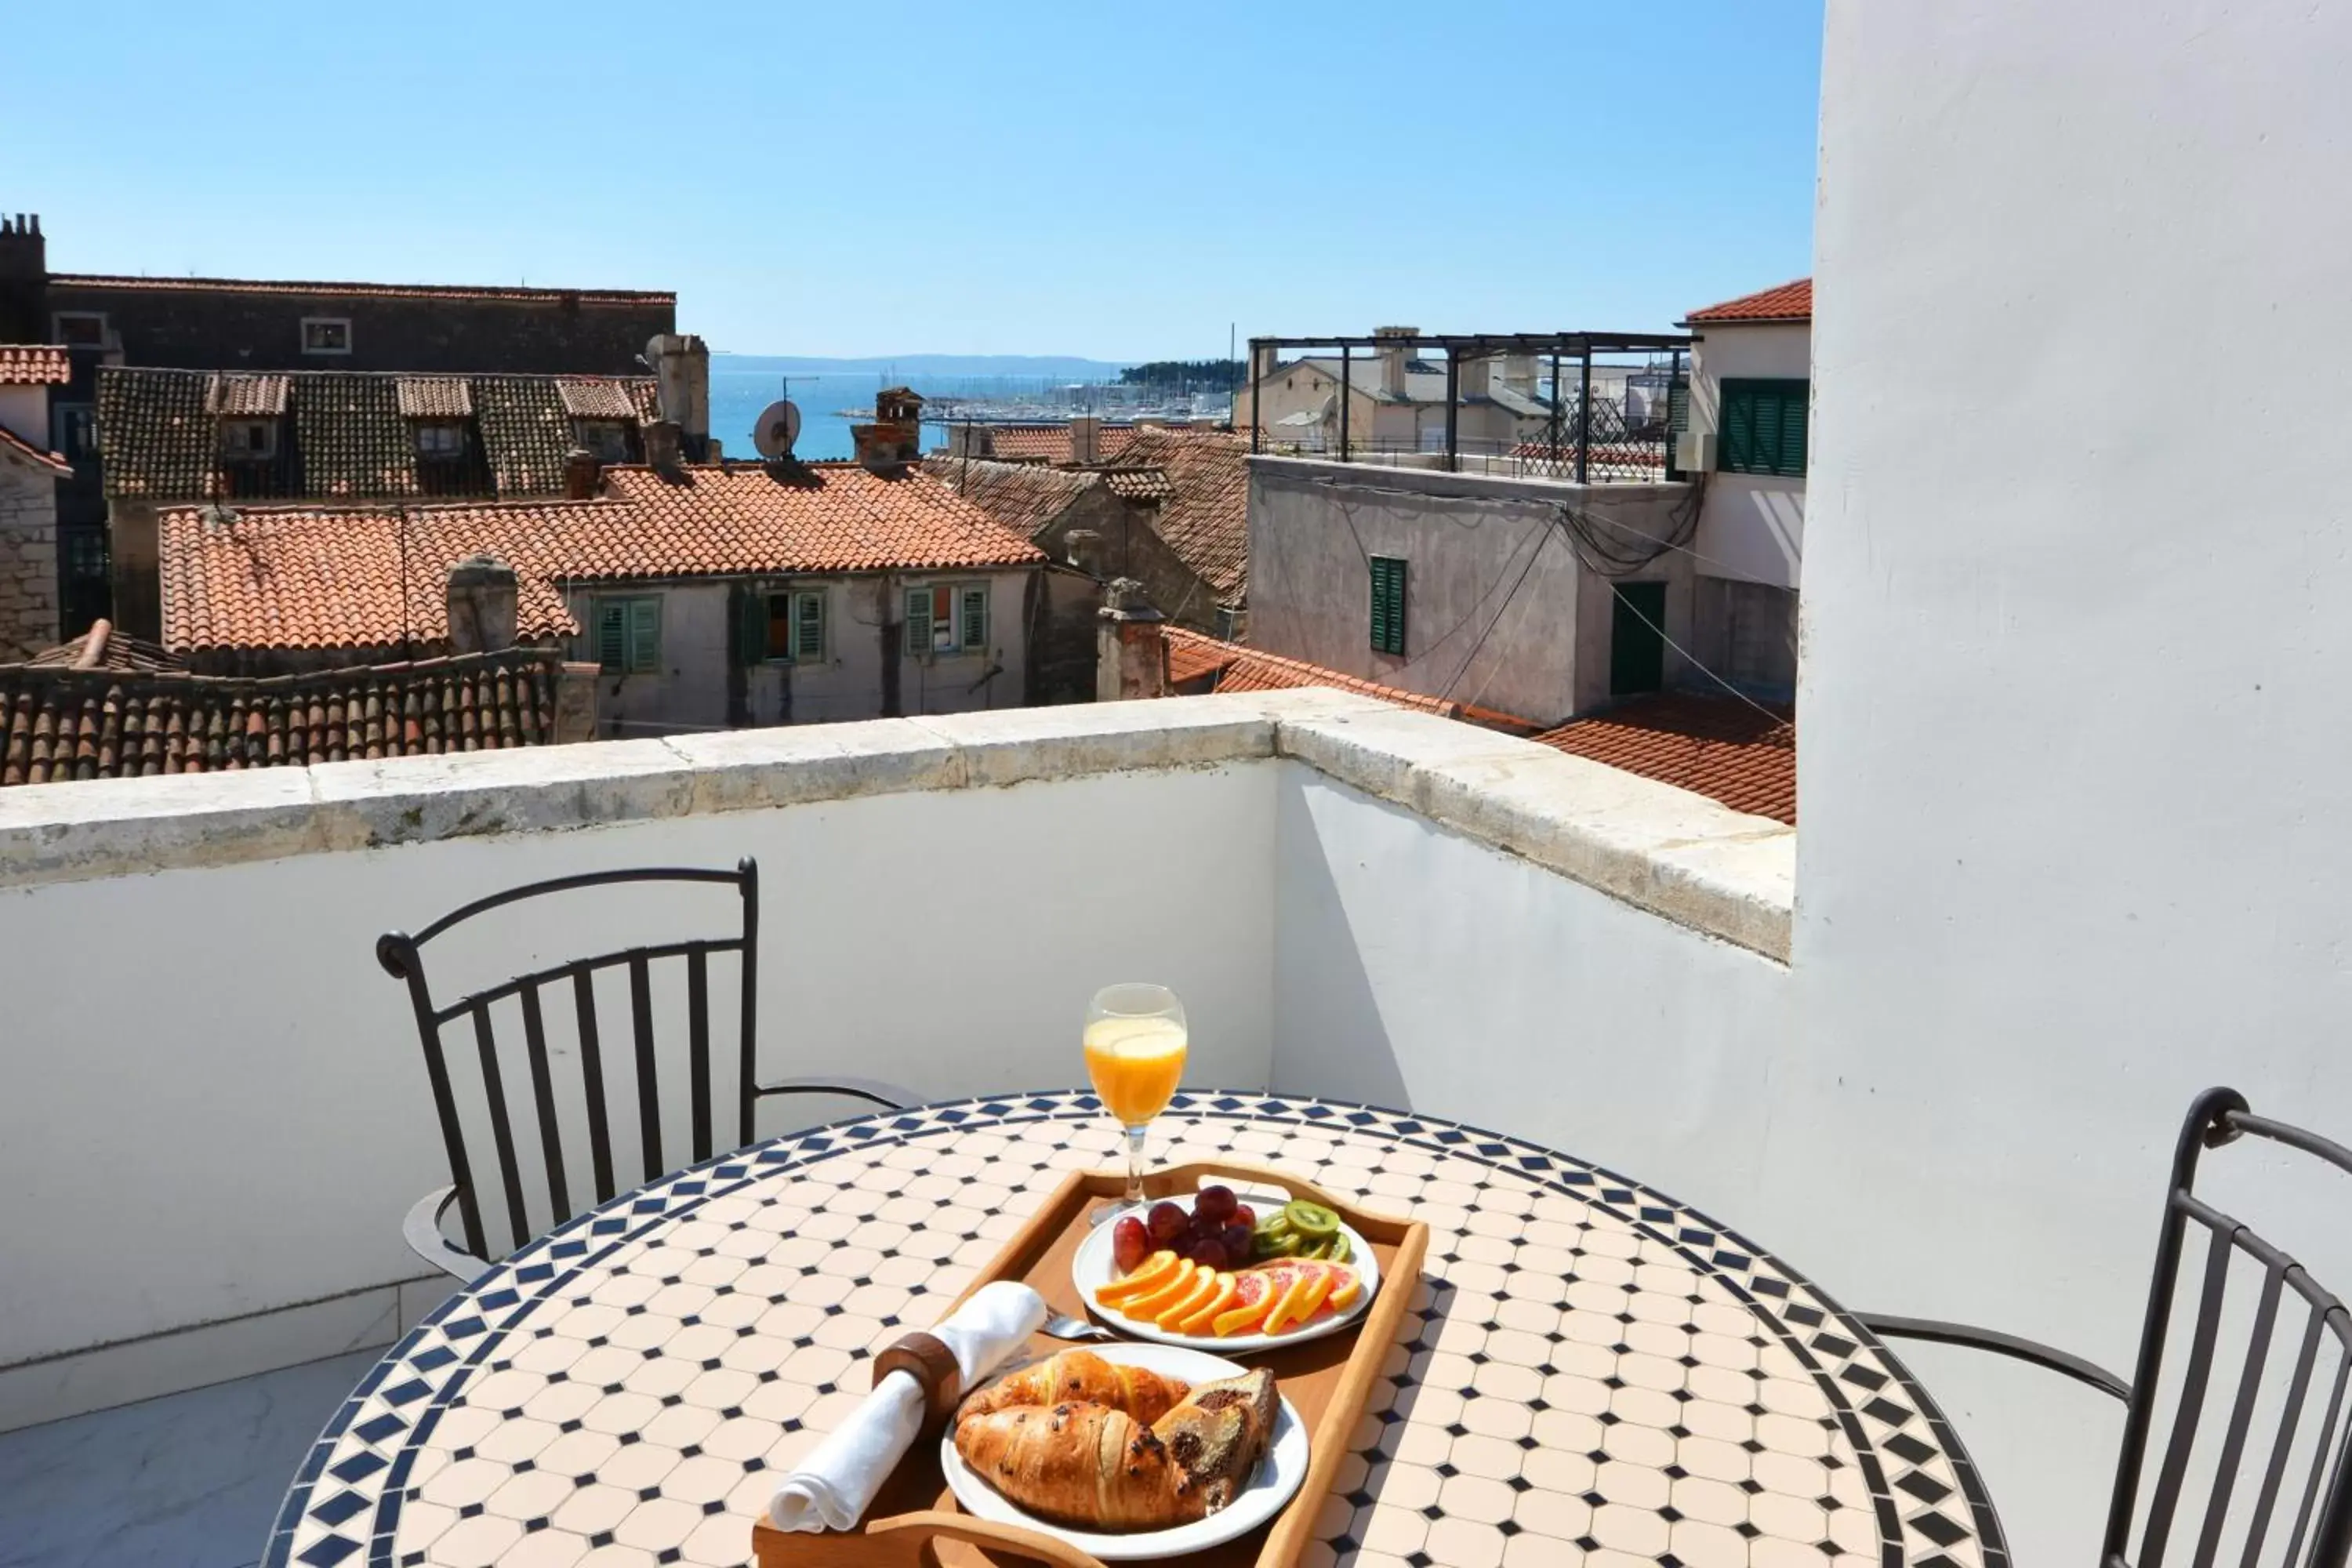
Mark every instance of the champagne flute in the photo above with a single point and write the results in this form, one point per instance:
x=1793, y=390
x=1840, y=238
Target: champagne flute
x=1135, y=1045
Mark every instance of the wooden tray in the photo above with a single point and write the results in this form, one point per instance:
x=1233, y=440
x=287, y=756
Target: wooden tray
x=914, y=1521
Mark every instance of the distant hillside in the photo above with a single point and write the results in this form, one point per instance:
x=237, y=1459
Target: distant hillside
x=1056, y=367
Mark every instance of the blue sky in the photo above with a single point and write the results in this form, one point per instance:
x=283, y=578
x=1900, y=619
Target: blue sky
x=1104, y=179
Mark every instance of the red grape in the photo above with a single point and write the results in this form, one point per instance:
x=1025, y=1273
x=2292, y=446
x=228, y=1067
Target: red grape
x=1237, y=1244
x=1167, y=1223
x=1210, y=1253
x=1216, y=1203
x=1131, y=1244
x=1244, y=1216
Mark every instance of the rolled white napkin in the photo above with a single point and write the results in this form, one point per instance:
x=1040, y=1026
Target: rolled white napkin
x=833, y=1488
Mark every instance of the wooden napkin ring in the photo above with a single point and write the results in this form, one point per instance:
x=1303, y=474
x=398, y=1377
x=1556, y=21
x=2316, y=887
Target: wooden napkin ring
x=928, y=1361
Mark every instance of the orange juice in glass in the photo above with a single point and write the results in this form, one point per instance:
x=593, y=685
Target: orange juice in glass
x=1135, y=1044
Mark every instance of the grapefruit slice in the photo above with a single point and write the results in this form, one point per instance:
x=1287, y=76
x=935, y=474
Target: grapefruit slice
x=1150, y=1275
x=1203, y=1291
x=1257, y=1293
x=1152, y=1303
x=1198, y=1321
x=1301, y=1301
x=1346, y=1286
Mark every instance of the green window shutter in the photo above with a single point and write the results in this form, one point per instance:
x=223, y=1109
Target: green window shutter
x=1739, y=452
x=751, y=627
x=611, y=635
x=1795, y=418
x=1678, y=405
x=1388, y=605
x=645, y=635
x=919, y=621
x=975, y=617
x=1766, y=426
x=808, y=626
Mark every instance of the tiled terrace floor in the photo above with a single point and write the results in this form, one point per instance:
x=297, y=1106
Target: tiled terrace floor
x=193, y=1480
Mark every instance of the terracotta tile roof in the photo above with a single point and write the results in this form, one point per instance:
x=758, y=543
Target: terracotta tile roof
x=34, y=364
x=103, y=648
x=1205, y=516
x=351, y=439
x=59, y=723
x=435, y=397
x=1232, y=667
x=1715, y=746
x=15, y=447
x=230, y=395
x=1052, y=442
x=586, y=398
x=1026, y=498
x=1139, y=484
x=321, y=578
x=1782, y=302
x=362, y=291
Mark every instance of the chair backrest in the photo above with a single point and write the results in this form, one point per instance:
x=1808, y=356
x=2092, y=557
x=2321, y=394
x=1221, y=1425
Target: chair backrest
x=2274, y=1489
x=574, y=982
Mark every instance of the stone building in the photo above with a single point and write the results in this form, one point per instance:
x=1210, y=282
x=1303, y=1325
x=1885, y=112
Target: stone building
x=29, y=472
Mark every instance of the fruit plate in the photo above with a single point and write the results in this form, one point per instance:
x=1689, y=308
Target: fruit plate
x=1278, y=1475
x=1093, y=1269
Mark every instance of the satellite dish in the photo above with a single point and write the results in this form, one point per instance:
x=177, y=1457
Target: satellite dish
x=778, y=427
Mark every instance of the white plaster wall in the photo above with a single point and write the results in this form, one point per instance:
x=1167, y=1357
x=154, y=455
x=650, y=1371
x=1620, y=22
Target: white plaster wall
x=1416, y=966
x=1752, y=527
x=2073, y=782
x=24, y=411
x=241, y=1122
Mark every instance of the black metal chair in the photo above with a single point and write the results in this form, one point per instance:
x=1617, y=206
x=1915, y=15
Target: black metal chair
x=403, y=957
x=2318, y=1492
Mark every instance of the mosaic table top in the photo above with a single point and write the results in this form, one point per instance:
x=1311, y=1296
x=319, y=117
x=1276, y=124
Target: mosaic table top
x=1592, y=1373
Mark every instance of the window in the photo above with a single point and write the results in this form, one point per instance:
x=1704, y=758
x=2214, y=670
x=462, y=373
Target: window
x=1388, y=605
x=249, y=440
x=947, y=619
x=628, y=633
x=1229, y=623
x=326, y=334
x=608, y=438
x=1764, y=428
x=794, y=627
x=80, y=329
x=440, y=440
x=73, y=428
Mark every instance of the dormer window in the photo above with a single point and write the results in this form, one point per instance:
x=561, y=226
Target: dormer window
x=608, y=438
x=440, y=440
x=326, y=334
x=249, y=440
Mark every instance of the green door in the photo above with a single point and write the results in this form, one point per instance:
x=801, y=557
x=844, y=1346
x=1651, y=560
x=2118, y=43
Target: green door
x=1637, y=639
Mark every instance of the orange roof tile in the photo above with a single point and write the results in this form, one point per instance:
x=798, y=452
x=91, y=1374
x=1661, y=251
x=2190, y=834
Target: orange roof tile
x=1236, y=668
x=313, y=578
x=1715, y=746
x=1782, y=302
x=14, y=446
x=1204, y=513
x=34, y=364
x=1052, y=442
x=233, y=395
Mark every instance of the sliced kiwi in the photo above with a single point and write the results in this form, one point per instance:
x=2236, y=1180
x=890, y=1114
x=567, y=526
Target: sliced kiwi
x=1310, y=1218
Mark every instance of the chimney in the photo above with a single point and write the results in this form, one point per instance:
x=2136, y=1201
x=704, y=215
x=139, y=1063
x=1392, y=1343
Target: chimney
x=662, y=440
x=970, y=440
x=1081, y=543
x=1396, y=346
x=484, y=613
x=1264, y=360
x=583, y=474
x=1130, y=656
x=1478, y=376
x=682, y=374
x=1085, y=439
x=1519, y=372
x=23, y=280
x=896, y=437
x=575, y=703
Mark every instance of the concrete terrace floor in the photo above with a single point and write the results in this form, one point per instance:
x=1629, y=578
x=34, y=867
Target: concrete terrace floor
x=189, y=1480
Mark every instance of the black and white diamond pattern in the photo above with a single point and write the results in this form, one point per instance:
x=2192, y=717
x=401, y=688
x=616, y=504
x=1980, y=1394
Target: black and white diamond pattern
x=1591, y=1371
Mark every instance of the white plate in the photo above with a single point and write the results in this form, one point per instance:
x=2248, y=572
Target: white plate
x=1093, y=1269
x=1276, y=1481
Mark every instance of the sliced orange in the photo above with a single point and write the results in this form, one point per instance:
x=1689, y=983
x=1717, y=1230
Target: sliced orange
x=1259, y=1291
x=1204, y=1287
x=1346, y=1286
x=1150, y=1305
x=1199, y=1319
x=1150, y=1275
x=1299, y=1302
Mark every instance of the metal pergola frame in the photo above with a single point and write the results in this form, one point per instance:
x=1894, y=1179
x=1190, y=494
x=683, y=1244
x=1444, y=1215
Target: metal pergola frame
x=1460, y=346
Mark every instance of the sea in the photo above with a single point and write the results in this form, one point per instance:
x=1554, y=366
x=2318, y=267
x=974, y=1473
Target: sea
x=736, y=396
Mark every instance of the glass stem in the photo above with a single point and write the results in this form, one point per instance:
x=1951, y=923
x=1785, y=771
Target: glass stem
x=1135, y=1163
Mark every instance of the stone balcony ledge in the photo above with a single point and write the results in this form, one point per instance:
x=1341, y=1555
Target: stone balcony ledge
x=1676, y=853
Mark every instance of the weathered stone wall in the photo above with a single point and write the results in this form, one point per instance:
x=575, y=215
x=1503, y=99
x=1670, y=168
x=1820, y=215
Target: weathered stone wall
x=1128, y=546
x=28, y=560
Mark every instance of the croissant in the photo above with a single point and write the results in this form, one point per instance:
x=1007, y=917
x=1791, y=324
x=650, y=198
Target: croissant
x=1075, y=1377
x=1095, y=1467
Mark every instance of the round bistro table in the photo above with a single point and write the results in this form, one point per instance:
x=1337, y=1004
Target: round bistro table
x=1591, y=1371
